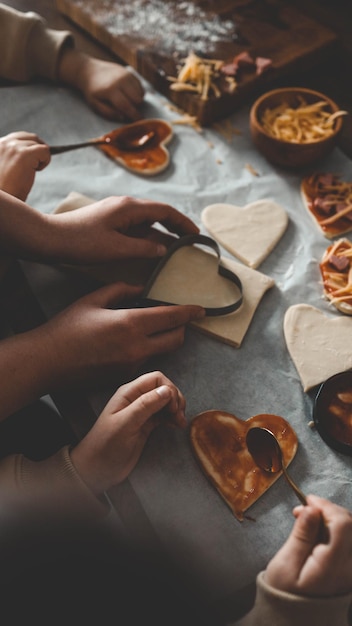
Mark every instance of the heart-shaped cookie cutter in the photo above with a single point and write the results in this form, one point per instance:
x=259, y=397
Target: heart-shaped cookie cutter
x=190, y=240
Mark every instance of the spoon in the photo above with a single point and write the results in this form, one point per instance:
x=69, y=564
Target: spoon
x=127, y=143
x=267, y=454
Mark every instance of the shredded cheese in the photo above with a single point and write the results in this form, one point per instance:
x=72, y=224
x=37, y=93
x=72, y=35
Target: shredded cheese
x=338, y=284
x=199, y=75
x=337, y=216
x=330, y=201
x=251, y=169
x=306, y=123
x=188, y=120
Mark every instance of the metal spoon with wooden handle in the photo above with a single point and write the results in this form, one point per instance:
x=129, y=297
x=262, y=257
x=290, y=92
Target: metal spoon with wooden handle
x=127, y=144
x=267, y=454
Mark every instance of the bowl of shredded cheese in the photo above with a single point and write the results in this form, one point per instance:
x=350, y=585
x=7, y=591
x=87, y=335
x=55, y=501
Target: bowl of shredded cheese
x=295, y=127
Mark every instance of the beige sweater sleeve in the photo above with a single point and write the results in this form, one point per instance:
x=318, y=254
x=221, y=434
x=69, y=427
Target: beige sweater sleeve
x=53, y=482
x=274, y=607
x=28, y=48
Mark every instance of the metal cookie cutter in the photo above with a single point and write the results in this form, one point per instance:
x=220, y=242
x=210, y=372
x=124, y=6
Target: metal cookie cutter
x=189, y=240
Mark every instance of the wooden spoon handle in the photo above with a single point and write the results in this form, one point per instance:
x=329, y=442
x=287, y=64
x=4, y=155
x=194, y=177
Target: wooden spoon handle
x=75, y=146
x=300, y=495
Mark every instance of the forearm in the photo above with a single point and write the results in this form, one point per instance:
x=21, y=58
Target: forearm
x=29, y=366
x=28, y=48
x=72, y=66
x=24, y=231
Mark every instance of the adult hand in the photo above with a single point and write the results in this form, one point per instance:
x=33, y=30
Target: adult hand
x=111, y=229
x=22, y=155
x=109, y=88
x=304, y=566
x=111, y=449
x=91, y=340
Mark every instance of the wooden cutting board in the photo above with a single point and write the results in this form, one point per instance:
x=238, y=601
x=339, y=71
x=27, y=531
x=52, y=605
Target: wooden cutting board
x=153, y=35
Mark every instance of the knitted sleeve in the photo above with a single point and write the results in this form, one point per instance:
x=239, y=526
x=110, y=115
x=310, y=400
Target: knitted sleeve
x=28, y=48
x=281, y=608
x=53, y=481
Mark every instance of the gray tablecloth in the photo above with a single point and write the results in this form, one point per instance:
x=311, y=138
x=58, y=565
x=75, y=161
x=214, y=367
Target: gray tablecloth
x=190, y=519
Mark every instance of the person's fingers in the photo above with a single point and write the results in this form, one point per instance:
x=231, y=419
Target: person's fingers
x=159, y=320
x=118, y=109
x=145, y=407
x=112, y=294
x=303, y=537
x=142, y=248
x=23, y=135
x=124, y=105
x=132, y=87
x=327, y=508
x=129, y=392
x=42, y=153
x=145, y=211
x=105, y=109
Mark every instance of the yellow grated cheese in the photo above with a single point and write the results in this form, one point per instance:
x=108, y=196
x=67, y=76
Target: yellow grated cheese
x=304, y=124
x=251, y=169
x=199, y=75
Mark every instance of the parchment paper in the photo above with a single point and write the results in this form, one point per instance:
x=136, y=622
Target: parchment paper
x=194, y=525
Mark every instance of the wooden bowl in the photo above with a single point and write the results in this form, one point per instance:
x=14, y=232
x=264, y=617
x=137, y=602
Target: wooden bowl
x=288, y=153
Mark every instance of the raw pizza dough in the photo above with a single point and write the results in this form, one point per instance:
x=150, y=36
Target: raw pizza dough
x=249, y=233
x=177, y=283
x=215, y=290
x=191, y=276
x=319, y=346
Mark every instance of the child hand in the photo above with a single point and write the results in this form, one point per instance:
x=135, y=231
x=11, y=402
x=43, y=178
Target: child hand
x=109, y=88
x=22, y=155
x=111, y=449
x=304, y=566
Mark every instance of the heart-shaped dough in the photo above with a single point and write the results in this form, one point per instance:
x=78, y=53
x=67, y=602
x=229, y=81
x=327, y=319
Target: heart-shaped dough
x=191, y=276
x=149, y=160
x=319, y=346
x=231, y=328
x=218, y=440
x=249, y=233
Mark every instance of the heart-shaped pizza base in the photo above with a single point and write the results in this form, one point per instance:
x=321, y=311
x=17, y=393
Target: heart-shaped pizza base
x=249, y=233
x=335, y=277
x=218, y=440
x=149, y=160
x=319, y=346
x=319, y=188
x=191, y=276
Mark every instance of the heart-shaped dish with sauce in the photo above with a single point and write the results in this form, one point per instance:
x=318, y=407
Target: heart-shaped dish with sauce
x=218, y=440
x=126, y=146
